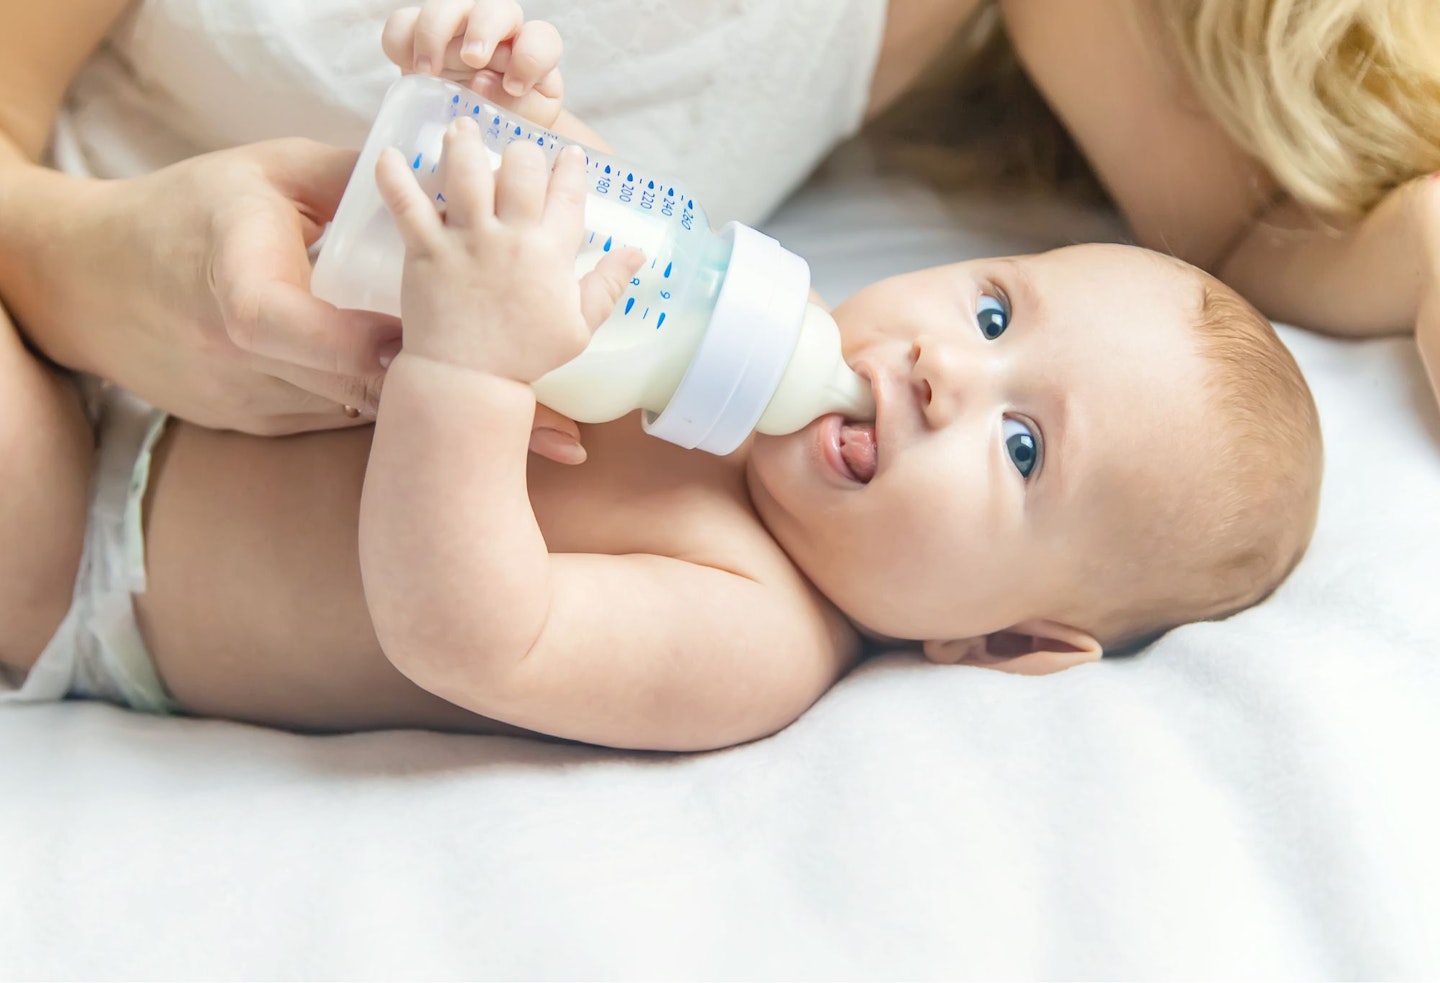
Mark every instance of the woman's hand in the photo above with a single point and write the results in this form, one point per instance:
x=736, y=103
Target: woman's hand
x=190, y=287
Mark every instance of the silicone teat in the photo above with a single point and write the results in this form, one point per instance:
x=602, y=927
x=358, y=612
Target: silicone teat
x=817, y=380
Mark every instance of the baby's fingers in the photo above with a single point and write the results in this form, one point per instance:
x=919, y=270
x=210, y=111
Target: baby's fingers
x=469, y=178
x=602, y=288
x=398, y=38
x=419, y=224
x=565, y=199
x=490, y=23
x=534, y=54
x=521, y=185
x=438, y=23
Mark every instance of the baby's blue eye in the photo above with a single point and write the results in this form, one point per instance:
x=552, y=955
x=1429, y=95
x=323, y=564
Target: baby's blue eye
x=992, y=316
x=1022, y=446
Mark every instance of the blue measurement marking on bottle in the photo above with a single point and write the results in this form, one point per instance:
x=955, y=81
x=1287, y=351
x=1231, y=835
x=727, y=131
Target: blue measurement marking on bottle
x=668, y=268
x=629, y=303
x=416, y=164
x=661, y=321
x=646, y=314
x=609, y=241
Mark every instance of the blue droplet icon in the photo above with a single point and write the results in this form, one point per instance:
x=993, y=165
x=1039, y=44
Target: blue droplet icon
x=475, y=110
x=652, y=185
x=629, y=177
x=493, y=122
x=669, y=192
x=454, y=99
x=629, y=303
x=517, y=131
x=668, y=268
x=607, y=168
x=660, y=322
x=539, y=141
x=690, y=203
x=608, y=241
x=416, y=163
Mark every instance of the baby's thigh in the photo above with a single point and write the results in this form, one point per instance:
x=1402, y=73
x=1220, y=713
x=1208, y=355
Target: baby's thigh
x=45, y=454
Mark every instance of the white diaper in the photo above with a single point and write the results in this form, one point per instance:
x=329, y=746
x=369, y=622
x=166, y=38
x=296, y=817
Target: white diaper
x=97, y=652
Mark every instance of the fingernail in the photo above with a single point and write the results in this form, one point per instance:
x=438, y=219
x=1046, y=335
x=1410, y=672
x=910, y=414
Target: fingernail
x=387, y=352
x=423, y=65
x=474, y=50
x=573, y=449
x=515, y=87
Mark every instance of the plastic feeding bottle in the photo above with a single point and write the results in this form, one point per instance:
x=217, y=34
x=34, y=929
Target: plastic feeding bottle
x=714, y=337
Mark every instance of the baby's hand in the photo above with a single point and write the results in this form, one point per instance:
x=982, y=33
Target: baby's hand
x=490, y=284
x=486, y=45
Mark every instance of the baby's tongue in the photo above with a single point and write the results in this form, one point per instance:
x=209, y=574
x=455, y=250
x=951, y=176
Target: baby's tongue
x=857, y=447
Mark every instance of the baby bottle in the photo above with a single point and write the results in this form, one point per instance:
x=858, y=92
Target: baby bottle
x=714, y=337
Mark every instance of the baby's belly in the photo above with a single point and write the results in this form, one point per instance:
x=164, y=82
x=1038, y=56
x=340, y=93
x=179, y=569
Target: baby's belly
x=255, y=609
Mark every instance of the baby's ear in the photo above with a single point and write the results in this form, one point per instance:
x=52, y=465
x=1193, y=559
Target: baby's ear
x=1030, y=648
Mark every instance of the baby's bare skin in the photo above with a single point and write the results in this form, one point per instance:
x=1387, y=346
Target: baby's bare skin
x=267, y=621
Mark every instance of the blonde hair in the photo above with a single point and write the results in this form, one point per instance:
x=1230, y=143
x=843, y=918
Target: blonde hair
x=1338, y=99
x=1252, y=517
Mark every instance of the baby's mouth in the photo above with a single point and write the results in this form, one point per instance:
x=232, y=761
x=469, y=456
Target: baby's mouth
x=858, y=451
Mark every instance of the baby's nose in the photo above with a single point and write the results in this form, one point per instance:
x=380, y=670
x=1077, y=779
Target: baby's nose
x=945, y=378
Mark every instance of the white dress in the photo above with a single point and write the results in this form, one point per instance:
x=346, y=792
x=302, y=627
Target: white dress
x=740, y=98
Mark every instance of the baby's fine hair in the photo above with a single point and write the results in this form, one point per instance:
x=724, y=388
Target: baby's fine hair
x=1249, y=520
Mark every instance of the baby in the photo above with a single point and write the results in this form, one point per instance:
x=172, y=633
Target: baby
x=1072, y=451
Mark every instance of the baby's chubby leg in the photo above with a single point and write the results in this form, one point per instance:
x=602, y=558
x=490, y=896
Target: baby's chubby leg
x=46, y=446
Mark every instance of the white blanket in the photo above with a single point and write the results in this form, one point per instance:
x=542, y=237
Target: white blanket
x=1252, y=798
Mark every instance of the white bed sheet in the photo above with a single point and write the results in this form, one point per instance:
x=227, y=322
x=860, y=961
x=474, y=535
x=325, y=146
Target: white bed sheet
x=1254, y=798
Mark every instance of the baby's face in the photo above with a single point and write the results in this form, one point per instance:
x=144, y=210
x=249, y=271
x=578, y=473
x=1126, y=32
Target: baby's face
x=1026, y=407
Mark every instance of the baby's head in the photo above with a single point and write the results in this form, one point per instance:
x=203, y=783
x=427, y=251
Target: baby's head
x=1073, y=451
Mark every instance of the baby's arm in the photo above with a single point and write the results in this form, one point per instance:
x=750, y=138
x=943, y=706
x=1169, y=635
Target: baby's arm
x=632, y=651
x=489, y=46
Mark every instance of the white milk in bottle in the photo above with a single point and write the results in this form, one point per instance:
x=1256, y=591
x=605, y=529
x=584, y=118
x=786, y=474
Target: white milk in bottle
x=715, y=337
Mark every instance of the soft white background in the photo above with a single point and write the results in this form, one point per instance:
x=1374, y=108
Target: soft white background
x=1255, y=798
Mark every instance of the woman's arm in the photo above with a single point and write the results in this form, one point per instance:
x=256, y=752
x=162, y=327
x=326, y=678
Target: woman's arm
x=189, y=286
x=1187, y=189
x=917, y=32
x=42, y=46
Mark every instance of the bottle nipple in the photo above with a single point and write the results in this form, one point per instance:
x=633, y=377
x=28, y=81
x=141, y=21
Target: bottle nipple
x=817, y=380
